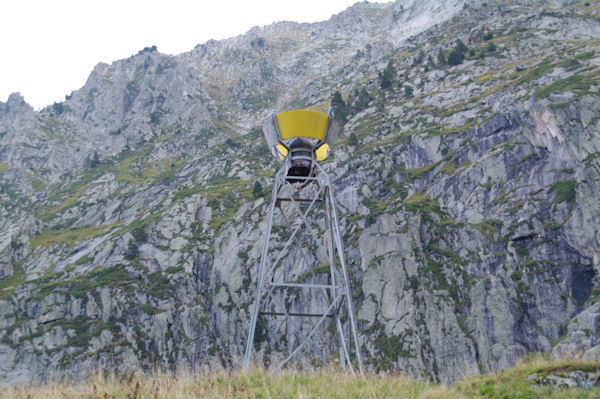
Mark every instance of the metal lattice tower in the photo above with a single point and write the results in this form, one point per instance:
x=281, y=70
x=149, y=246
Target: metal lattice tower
x=302, y=300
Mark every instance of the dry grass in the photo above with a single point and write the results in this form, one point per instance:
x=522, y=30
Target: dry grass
x=250, y=384
x=4, y=167
x=257, y=383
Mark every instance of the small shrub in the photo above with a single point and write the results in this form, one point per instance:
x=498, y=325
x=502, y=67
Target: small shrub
x=516, y=275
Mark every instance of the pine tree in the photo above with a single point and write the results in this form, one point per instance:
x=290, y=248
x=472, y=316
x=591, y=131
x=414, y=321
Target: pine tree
x=430, y=61
x=352, y=139
x=257, y=192
x=132, y=251
x=140, y=235
x=95, y=160
x=339, y=106
x=441, y=58
x=364, y=98
x=419, y=58
x=455, y=57
x=388, y=75
x=461, y=47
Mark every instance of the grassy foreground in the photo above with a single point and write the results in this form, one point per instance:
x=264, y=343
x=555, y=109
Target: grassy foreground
x=510, y=383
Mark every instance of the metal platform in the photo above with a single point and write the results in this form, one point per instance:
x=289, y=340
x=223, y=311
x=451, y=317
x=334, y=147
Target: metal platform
x=303, y=289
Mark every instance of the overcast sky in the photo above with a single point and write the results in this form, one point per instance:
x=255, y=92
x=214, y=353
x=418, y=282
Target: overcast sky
x=49, y=47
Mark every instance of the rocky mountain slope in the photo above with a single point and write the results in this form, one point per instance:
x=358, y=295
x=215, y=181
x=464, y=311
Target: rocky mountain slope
x=467, y=177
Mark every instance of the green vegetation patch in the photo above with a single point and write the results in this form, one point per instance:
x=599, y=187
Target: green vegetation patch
x=488, y=228
x=69, y=235
x=139, y=225
x=546, y=67
x=585, y=56
x=225, y=195
x=158, y=285
x=375, y=207
x=564, y=191
x=71, y=200
x=262, y=100
x=447, y=168
x=8, y=285
x=423, y=204
x=576, y=83
x=67, y=196
x=440, y=130
x=417, y=173
x=391, y=348
x=36, y=183
x=80, y=286
x=534, y=74
x=85, y=328
x=420, y=202
x=591, y=158
x=149, y=309
x=134, y=169
x=83, y=260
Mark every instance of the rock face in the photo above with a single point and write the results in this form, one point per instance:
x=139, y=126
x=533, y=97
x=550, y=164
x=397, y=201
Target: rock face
x=583, y=336
x=131, y=225
x=573, y=379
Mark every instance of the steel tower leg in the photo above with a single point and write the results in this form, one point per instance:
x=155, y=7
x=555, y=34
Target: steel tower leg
x=261, y=271
x=332, y=271
x=276, y=297
x=340, y=248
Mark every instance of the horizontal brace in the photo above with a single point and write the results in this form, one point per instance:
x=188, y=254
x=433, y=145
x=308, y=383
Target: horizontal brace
x=301, y=177
x=295, y=314
x=298, y=285
x=299, y=200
